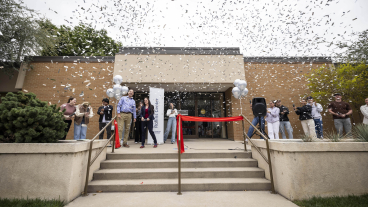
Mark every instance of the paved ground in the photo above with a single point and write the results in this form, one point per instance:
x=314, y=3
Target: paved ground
x=191, y=146
x=171, y=199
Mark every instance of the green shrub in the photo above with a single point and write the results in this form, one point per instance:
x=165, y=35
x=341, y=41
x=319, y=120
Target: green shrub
x=360, y=132
x=24, y=118
x=334, y=137
x=15, y=202
x=306, y=138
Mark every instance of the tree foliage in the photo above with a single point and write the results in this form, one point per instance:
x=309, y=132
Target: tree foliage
x=20, y=36
x=24, y=118
x=356, y=51
x=82, y=40
x=351, y=80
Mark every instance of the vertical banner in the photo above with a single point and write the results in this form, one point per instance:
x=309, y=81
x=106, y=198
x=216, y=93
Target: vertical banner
x=157, y=100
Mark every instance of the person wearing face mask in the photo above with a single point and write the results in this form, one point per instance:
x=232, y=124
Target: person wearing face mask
x=340, y=111
x=273, y=120
x=364, y=110
x=69, y=113
x=317, y=117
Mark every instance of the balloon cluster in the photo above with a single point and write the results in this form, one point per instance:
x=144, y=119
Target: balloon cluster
x=117, y=91
x=240, y=90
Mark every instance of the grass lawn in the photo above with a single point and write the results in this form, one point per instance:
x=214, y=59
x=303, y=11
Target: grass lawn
x=30, y=203
x=348, y=201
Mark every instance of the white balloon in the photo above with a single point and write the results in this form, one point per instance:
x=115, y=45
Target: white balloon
x=117, y=88
x=236, y=82
x=242, y=84
x=244, y=92
x=236, y=92
x=124, y=90
x=117, y=96
x=110, y=92
x=118, y=79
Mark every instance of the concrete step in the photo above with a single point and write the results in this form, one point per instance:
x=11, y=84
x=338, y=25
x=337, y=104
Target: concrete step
x=227, y=154
x=168, y=173
x=188, y=184
x=185, y=163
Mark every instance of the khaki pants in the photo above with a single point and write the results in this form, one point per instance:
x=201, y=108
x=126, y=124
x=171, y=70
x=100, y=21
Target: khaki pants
x=124, y=121
x=309, y=128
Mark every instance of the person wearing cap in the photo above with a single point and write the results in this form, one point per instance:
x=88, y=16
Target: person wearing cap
x=317, y=117
x=284, y=121
x=82, y=115
x=105, y=112
x=306, y=119
x=340, y=111
x=364, y=110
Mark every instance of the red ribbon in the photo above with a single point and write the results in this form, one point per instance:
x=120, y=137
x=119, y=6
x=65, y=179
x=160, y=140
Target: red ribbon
x=117, y=141
x=201, y=119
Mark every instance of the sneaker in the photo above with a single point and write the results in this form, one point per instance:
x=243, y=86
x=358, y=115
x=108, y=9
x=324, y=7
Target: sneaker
x=126, y=145
x=172, y=142
x=142, y=146
x=155, y=146
x=136, y=142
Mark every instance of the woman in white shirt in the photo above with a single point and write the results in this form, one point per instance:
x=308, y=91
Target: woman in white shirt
x=171, y=123
x=364, y=110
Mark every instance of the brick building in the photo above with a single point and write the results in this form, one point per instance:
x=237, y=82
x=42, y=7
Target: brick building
x=195, y=79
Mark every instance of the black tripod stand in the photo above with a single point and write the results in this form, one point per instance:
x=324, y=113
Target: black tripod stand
x=260, y=129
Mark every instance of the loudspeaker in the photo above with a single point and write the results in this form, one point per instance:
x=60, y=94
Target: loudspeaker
x=259, y=106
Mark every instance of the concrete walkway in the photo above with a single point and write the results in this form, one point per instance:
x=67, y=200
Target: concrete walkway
x=192, y=199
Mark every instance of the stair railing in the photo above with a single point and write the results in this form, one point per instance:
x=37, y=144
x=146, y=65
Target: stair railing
x=268, y=161
x=89, y=163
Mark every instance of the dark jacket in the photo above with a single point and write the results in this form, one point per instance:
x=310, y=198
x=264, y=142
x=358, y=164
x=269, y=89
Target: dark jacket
x=150, y=112
x=284, y=117
x=304, y=112
x=107, y=112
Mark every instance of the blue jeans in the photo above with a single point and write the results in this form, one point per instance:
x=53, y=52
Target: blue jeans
x=319, y=127
x=289, y=129
x=80, y=131
x=255, y=122
x=171, y=123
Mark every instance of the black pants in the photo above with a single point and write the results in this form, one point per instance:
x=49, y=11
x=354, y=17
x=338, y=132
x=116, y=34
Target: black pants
x=144, y=125
x=69, y=122
x=137, y=130
x=108, y=130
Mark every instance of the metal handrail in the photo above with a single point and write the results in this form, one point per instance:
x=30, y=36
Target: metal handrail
x=268, y=153
x=89, y=163
x=255, y=146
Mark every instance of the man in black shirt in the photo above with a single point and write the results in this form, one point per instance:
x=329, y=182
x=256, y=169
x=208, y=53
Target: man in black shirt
x=284, y=121
x=305, y=117
x=105, y=112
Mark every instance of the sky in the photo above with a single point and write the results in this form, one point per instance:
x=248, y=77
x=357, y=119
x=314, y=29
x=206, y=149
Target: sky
x=257, y=27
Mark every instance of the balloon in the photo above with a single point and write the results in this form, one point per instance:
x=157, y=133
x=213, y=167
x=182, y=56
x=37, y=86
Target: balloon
x=244, y=92
x=110, y=92
x=236, y=82
x=117, y=96
x=117, y=88
x=242, y=84
x=124, y=90
x=236, y=92
x=118, y=79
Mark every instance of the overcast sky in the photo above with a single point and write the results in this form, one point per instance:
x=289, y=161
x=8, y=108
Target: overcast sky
x=258, y=28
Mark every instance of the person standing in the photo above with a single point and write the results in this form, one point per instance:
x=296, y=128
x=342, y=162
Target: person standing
x=364, y=110
x=256, y=120
x=125, y=109
x=69, y=113
x=340, y=111
x=105, y=112
x=284, y=121
x=273, y=120
x=82, y=115
x=171, y=123
x=147, y=112
x=306, y=119
x=317, y=117
x=137, y=126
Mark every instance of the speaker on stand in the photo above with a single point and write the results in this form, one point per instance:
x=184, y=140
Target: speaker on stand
x=259, y=108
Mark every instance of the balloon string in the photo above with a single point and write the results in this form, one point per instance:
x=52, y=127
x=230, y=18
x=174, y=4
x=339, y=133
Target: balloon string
x=241, y=109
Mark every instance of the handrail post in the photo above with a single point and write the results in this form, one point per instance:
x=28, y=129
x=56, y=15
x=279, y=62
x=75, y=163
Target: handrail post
x=88, y=166
x=179, y=157
x=113, y=143
x=245, y=144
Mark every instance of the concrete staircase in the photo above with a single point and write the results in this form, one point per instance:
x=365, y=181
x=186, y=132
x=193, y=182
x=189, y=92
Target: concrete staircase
x=155, y=172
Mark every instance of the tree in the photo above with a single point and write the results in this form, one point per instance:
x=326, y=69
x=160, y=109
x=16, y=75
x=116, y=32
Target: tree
x=349, y=79
x=20, y=35
x=82, y=40
x=24, y=118
x=357, y=51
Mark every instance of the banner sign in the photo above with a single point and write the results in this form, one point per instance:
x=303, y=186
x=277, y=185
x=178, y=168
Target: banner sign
x=157, y=100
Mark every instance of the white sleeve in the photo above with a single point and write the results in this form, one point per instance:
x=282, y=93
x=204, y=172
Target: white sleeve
x=319, y=108
x=168, y=112
x=90, y=113
x=78, y=113
x=364, y=111
x=176, y=112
